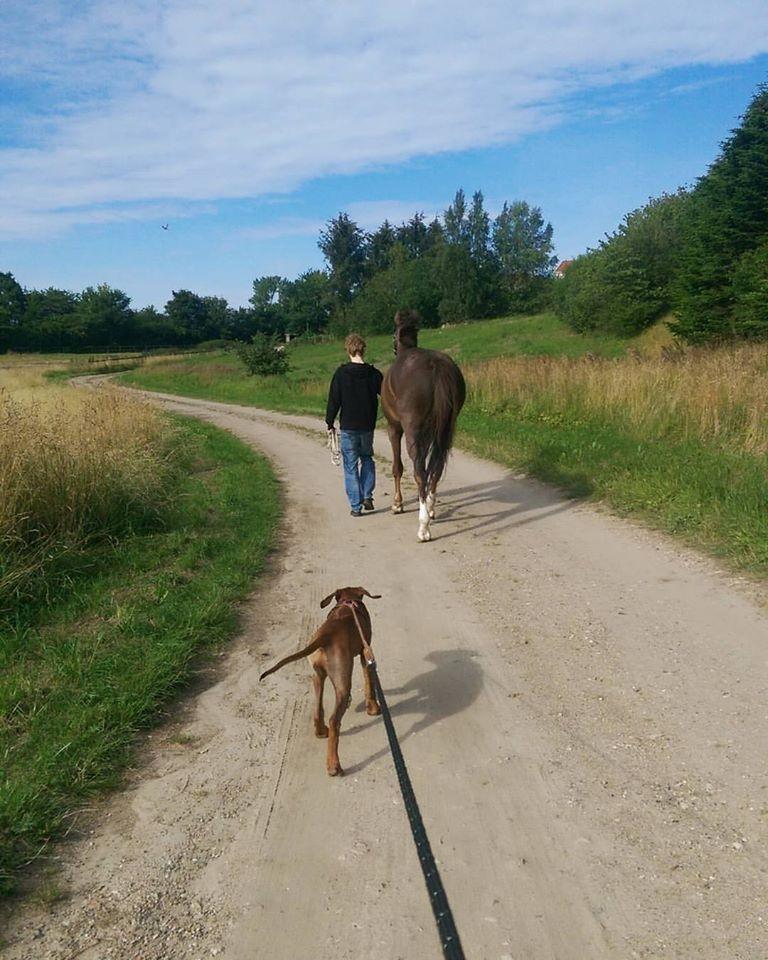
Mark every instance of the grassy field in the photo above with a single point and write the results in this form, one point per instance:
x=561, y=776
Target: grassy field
x=151, y=528
x=674, y=438
x=222, y=377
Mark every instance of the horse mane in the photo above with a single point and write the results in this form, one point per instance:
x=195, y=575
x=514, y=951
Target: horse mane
x=407, y=327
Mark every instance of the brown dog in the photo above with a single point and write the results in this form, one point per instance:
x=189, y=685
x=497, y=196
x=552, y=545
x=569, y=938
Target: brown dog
x=332, y=653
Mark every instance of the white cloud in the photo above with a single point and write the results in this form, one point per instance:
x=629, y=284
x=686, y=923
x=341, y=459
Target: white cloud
x=186, y=101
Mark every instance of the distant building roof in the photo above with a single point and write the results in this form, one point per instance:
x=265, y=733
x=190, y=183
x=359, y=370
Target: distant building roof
x=562, y=267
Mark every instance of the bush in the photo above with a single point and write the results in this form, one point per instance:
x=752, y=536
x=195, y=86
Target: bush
x=262, y=356
x=625, y=285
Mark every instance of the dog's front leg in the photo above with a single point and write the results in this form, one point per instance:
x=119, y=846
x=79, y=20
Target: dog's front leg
x=372, y=707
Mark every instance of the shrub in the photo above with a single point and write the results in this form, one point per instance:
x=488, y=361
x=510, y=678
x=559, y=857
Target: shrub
x=262, y=356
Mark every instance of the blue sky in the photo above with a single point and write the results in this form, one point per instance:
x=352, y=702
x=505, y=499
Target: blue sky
x=245, y=125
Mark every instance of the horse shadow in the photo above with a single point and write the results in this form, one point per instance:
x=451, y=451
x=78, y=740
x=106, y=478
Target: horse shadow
x=523, y=503
x=450, y=686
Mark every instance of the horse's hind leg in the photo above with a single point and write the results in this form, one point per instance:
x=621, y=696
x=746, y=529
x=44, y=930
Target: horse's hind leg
x=432, y=499
x=395, y=438
x=424, y=518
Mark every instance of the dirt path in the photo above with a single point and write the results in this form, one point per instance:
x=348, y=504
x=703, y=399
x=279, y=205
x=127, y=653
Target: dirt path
x=582, y=707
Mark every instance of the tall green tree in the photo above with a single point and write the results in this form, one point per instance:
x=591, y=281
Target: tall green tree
x=105, y=317
x=455, y=224
x=306, y=302
x=155, y=329
x=478, y=230
x=188, y=313
x=267, y=309
x=750, y=294
x=524, y=250
x=13, y=303
x=407, y=282
x=343, y=245
x=379, y=248
x=217, y=310
x=50, y=321
x=413, y=236
x=727, y=218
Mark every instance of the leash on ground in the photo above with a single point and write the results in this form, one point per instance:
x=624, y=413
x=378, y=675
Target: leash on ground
x=449, y=935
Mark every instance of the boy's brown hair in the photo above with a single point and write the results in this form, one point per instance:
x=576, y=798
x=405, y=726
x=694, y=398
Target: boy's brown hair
x=354, y=345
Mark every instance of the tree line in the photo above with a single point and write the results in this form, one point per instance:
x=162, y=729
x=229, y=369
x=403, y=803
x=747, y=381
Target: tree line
x=700, y=254
x=463, y=266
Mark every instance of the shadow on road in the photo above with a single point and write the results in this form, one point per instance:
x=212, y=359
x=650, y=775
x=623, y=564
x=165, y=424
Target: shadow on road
x=451, y=685
x=527, y=504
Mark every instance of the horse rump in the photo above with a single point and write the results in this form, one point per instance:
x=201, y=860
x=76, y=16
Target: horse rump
x=437, y=429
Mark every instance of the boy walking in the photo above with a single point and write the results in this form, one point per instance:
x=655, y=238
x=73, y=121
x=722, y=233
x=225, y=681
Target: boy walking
x=355, y=390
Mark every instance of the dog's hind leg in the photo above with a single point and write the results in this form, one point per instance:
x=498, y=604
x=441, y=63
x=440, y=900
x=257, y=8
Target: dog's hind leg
x=318, y=682
x=341, y=678
x=372, y=707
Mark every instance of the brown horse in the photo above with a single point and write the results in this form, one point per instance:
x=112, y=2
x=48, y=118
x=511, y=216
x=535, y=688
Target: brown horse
x=422, y=394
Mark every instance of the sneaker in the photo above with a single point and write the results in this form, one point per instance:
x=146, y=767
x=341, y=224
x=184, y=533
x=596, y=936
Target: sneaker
x=368, y=503
x=355, y=513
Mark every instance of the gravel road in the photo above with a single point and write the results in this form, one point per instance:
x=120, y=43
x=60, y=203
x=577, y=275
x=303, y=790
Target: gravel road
x=582, y=705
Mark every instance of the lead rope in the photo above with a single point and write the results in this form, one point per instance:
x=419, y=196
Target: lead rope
x=446, y=926
x=333, y=446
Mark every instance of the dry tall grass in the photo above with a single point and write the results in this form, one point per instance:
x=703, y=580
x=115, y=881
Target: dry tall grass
x=74, y=466
x=716, y=396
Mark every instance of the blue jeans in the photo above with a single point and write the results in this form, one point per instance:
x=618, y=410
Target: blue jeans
x=359, y=468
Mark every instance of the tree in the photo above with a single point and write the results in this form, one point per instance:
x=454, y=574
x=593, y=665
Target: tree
x=727, y=217
x=105, y=317
x=306, y=302
x=154, y=329
x=460, y=293
x=455, y=220
x=217, y=311
x=379, y=248
x=13, y=303
x=405, y=283
x=241, y=324
x=413, y=236
x=49, y=321
x=344, y=247
x=267, y=310
x=750, y=294
x=188, y=313
x=522, y=244
x=478, y=231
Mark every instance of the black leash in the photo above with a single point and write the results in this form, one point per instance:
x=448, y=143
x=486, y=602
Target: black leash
x=446, y=926
x=449, y=935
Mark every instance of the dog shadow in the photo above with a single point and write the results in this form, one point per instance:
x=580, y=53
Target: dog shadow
x=452, y=684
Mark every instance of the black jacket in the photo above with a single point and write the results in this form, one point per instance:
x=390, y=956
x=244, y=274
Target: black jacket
x=355, y=388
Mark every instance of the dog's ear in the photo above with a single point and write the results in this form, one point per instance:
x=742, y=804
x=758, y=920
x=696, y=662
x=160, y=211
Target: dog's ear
x=327, y=600
x=364, y=593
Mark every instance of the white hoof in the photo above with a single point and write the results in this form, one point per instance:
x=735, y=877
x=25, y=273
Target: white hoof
x=424, y=535
x=397, y=508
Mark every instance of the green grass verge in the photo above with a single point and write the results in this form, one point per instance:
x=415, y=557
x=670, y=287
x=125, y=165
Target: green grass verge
x=80, y=678
x=712, y=498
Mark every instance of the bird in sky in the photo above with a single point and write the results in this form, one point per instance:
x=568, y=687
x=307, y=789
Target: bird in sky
x=164, y=226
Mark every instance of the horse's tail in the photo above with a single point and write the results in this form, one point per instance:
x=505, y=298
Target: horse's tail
x=447, y=401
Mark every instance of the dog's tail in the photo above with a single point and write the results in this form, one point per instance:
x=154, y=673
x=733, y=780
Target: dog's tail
x=315, y=643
